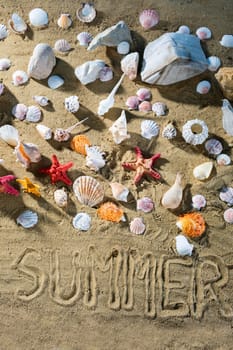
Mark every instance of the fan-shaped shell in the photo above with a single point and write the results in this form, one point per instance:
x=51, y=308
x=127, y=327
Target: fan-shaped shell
x=143, y=94
x=82, y=221
x=149, y=129
x=183, y=29
x=227, y=40
x=198, y=201
x=192, y=224
x=62, y=46
x=5, y=63
x=203, y=87
x=110, y=211
x=183, y=247
x=3, y=32
x=19, y=111
x=169, y=132
x=223, y=159
x=119, y=191
x=86, y=13
x=137, y=226
x=55, y=81
x=33, y=114
x=27, y=219
x=203, y=33
x=17, y=24
x=38, y=18
x=159, y=108
x=145, y=106
x=41, y=100
x=9, y=134
x=64, y=21
x=132, y=102
x=213, y=63
x=226, y=195
x=88, y=190
x=84, y=38
x=123, y=48
x=19, y=77
x=145, y=204
x=148, y=18
x=195, y=138
x=72, y=104
x=94, y=158
x=129, y=65
x=60, y=197
x=213, y=146
x=44, y=131
x=79, y=143
x=228, y=215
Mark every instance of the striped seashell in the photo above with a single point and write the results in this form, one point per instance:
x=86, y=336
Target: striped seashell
x=143, y=94
x=19, y=111
x=148, y=18
x=132, y=102
x=33, y=114
x=169, y=132
x=5, y=64
x=145, y=204
x=228, y=215
x=84, y=38
x=38, y=18
x=86, y=13
x=19, y=77
x=213, y=146
x=62, y=46
x=137, y=226
x=198, y=202
x=27, y=219
x=64, y=21
x=60, y=197
x=82, y=221
x=44, y=131
x=109, y=211
x=191, y=224
x=9, y=134
x=203, y=33
x=88, y=190
x=3, y=32
x=17, y=24
x=79, y=143
x=149, y=129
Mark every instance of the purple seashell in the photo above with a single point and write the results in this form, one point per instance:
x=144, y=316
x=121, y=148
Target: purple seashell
x=132, y=102
x=145, y=204
x=143, y=94
x=145, y=106
x=1, y=88
x=213, y=146
x=228, y=216
x=84, y=38
x=226, y=195
x=105, y=74
x=198, y=201
x=19, y=111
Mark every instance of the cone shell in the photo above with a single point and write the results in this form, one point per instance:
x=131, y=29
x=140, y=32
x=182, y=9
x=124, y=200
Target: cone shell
x=88, y=190
x=192, y=224
x=9, y=134
x=64, y=21
x=119, y=191
x=44, y=131
x=137, y=226
x=110, y=211
x=78, y=144
x=61, y=198
x=27, y=219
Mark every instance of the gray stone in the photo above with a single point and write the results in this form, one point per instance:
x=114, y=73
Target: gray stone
x=41, y=62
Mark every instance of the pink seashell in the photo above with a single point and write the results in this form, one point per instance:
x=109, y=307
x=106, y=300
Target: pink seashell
x=203, y=33
x=145, y=204
x=228, y=215
x=106, y=74
x=19, y=77
x=198, y=201
x=19, y=111
x=143, y=94
x=145, y=106
x=137, y=226
x=226, y=195
x=84, y=38
x=213, y=146
x=148, y=18
x=132, y=102
x=223, y=159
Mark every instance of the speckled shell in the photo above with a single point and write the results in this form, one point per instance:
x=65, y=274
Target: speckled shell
x=19, y=111
x=226, y=195
x=9, y=134
x=145, y=204
x=84, y=38
x=27, y=219
x=78, y=144
x=148, y=18
x=64, y=21
x=62, y=46
x=19, y=77
x=213, y=146
x=55, y=81
x=88, y=190
x=82, y=221
x=137, y=226
x=17, y=24
x=149, y=129
x=3, y=32
x=110, y=211
x=203, y=33
x=190, y=137
x=192, y=224
x=72, y=104
x=5, y=64
x=169, y=132
x=86, y=13
x=95, y=158
x=33, y=114
x=38, y=18
x=60, y=198
x=61, y=135
x=183, y=247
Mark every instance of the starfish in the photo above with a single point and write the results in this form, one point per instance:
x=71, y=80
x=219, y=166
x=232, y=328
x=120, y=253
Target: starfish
x=5, y=187
x=57, y=172
x=29, y=186
x=142, y=166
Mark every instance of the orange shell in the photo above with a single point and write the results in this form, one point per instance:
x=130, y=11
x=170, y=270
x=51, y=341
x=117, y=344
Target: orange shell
x=192, y=224
x=78, y=143
x=110, y=211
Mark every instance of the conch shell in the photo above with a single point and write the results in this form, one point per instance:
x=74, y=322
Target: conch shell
x=119, y=129
x=173, y=197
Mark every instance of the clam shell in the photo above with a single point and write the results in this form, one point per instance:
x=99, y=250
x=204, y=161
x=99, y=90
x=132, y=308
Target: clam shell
x=149, y=129
x=86, y=13
x=203, y=87
x=19, y=77
x=137, y=226
x=44, y=131
x=228, y=215
x=19, y=111
x=213, y=146
x=94, y=158
x=226, y=195
x=123, y=48
x=41, y=100
x=145, y=106
x=84, y=38
x=17, y=24
x=159, y=108
x=191, y=137
x=145, y=204
x=169, y=132
x=33, y=114
x=213, y=63
x=148, y=18
x=27, y=219
x=227, y=40
x=183, y=29
x=82, y=221
x=119, y=191
x=198, y=201
x=55, y=81
x=223, y=159
x=88, y=190
x=62, y=46
x=72, y=104
x=61, y=198
x=203, y=171
x=129, y=65
x=38, y=18
x=203, y=33
x=5, y=63
x=3, y=32
x=183, y=247
x=64, y=21
x=9, y=134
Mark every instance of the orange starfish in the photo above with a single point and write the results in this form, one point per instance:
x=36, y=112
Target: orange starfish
x=29, y=186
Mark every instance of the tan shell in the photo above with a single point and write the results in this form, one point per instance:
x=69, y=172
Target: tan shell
x=225, y=80
x=88, y=190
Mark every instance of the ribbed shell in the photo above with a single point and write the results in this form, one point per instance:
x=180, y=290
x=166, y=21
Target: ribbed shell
x=33, y=114
x=82, y=221
x=190, y=137
x=228, y=215
x=198, y=201
x=3, y=32
x=145, y=204
x=84, y=38
x=110, y=211
x=19, y=111
x=192, y=224
x=149, y=129
x=64, y=21
x=148, y=18
x=137, y=226
x=86, y=13
x=62, y=46
x=213, y=146
x=88, y=190
x=27, y=219
x=78, y=144
x=169, y=132
x=143, y=94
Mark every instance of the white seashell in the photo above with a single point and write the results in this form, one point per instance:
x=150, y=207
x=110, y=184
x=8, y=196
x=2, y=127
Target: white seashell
x=227, y=117
x=41, y=100
x=88, y=190
x=119, y=191
x=203, y=171
x=228, y=215
x=226, y=195
x=195, y=138
x=198, y=201
x=55, y=81
x=86, y=13
x=64, y=21
x=213, y=146
x=19, y=77
x=19, y=111
x=183, y=247
x=183, y=29
x=72, y=104
x=173, y=197
x=17, y=24
x=62, y=46
x=41, y=62
x=129, y=65
x=123, y=48
x=3, y=32
x=169, y=132
x=5, y=63
x=60, y=198
x=61, y=135
x=223, y=159
x=84, y=38
x=89, y=71
x=44, y=131
x=213, y=63
x=159, y=108
x=27, y=153
x=227, y=40
x=94, y=158
x=106, y=74
x=203, y=87
x=27, y=219
x=82, y=221
x=145, y=204
x=119, y=129
x=38, y=18
x=203, y=33
x=137, y=226
x=149, y=129
x=9, y=134
x=33, y=114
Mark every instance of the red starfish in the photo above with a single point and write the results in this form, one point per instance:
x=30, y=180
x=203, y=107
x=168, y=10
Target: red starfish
x=5, y=187
x=142, y=166
x=57, y=172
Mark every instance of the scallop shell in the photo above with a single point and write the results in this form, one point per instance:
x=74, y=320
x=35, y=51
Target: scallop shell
x=137, y=226
x=106, y=74
x=86, y=13
x=119, y=129
x=5, y=63
x=27, y=219
x=149, y=129
x=19, y=111
x=82, y=221
x=17, y=24
x=169, y=132
x=213, y=146
x=33, y=114
x=192, y=224
x=191, y=137
x=203, y=171
x=41, y=100
x=129, y=65
x=159, y=108
x=203, y=33
x=183, y=29
x=198, y=202
x=203, y=87
x=44, y=131
x=223, y=159
x=213, y=63
x=143, y=94
x=228, y=215
x=55, y=81
x=110, y=211
x=9, y=134
x=38, y=18
x=145, y=204
x=79, y=143
x=226, y=195
x=84, y=38
x=145, y=106
x=62, y=46
x=3, y=32
x=123, y=48
x=132, y=102
x=64, y=21
x=94, y=158
x=183, y=247
x=19, y=77
x=148, y=18
x=60, y=197
x=227, y=40
x=88, y=190
x=119, y=191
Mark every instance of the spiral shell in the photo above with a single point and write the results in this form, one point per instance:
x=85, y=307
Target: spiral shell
x=60, y=198
x=137, y=226
x=190, y=137
x=192, y=224
x=62, y=46
x=129, y=65
x=27, y=153
x=27, y=219
x=33, y=114
x=79, y=143
x=61, y=135
x=88, y=190
x=110, y=211
x=149, y=129
x=119, y=191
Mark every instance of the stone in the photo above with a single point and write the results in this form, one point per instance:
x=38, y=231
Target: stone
x=89, y=71
x=41, y=62
x=225, y=80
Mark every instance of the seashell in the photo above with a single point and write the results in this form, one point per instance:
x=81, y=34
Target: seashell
x=19, y=77
x=148, y=18
x=9, y=134
x=203, y=33
x=72, y=104
x=82, y=221
x=129, y=65
x=5, y=63
x=27, y=153
x=86, y=13
x=89, y=71
x=203, y=87
x=145, y=204
x=119, y=191
x=106, y=74
x=223, y=159
x=149, y=129
x=183, y=29
x=19, y=111
x=1, y=88
x=110, y=211
x=226, y=195
x=132, y=102
x=33, y=114
x=27, y=219
x=41, y=62
x=84, y=38
x=228, y=215
x=137, y=226
x=173, y=197
x=169, y=132
x=159, y=108
x=227, y=40
x=119, y=129
x=61, y=135
x=203, y=171
x=145, y=106
x=55, y=81
x=38, y=18
x=227, y=117
x=143, y=94
x=41, y=100
x=3, y=32
x=198, y=201
x=183, y=247
x=191, y=224
x=62, y=46
x=213, y=146
x=60, y=197
x=94, y=159
x=17, y=24
x=123, y=48
x=213, y=63
x=195, y=138
x=79, y=143
x=88, y=190
x=64, y=21
x=44, y=131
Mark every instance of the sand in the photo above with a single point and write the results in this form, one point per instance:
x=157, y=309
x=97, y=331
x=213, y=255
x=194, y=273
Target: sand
x=107, y=288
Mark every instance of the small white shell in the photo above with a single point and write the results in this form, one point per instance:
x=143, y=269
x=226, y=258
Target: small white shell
x=19, y=111
x=203, y=171
x=149, y=129
x=17, y=24
x=145, y=204
x=227, y=40
x=94, y=158
x=19, y=77
x=119, y=129
x=105, y=74
x=228, y=215
x=203, y=87
x=203, y=33
x=82, y=221
x=3, y=32
x=159, y=108
x=33, y=114
x=223, y=159
x=183, y=247
x=60, y=197
x=84, y=38
x=27, y=219
x=64, y=21
x=44, y=131
x=123, y=48
x=183, y=29
x=213, y=63
x=198, y=201
x=62, y=46
x=129, y=65
x=72, y=104
x=9, y=134
x=169, y=132
x=213, y=146
x=41, y=100
x=38, y=18
x=5, y=63
x=190, y=136
x=55, y=81
x=137, y=226
x=119, y=191
x=86, y=13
